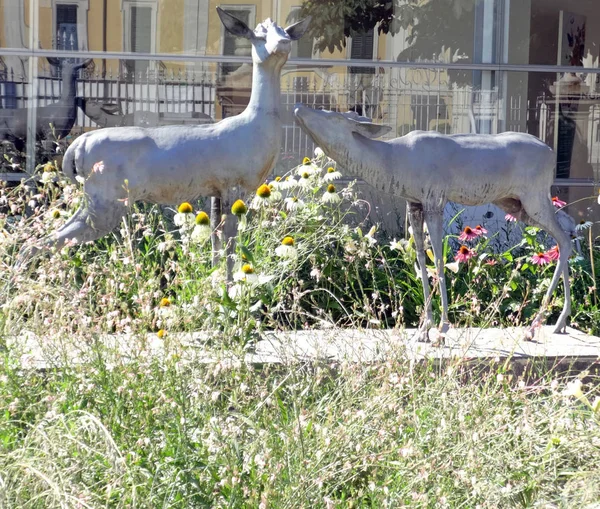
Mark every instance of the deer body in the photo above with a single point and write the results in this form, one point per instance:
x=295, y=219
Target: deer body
x=511, y=170
x=171, y=164
x=56, y=119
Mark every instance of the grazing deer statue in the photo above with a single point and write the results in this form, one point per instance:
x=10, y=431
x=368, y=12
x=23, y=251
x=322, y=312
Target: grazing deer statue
x=53, y=120
x=172, y=164
x=511, y=170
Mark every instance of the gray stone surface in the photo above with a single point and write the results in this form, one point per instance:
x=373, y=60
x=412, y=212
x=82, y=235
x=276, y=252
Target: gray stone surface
x=336, y=345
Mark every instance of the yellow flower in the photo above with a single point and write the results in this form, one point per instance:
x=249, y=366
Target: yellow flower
x=56, y=214
x=185, y=208
x=263, y=191
x=277, y=179
x=161, y=333
x=239, y=208
x=247, y=269
x=331, y=188
x=49, y=167
x=286, y=249
x=164, y=303
x=202, y=218
x=330, y=195
x=306, y=160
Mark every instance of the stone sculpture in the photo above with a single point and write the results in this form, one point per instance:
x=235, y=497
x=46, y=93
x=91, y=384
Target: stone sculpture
x=172, y=164
x=55, y=120
x=511, y=170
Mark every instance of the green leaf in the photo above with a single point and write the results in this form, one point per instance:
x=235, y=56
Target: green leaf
x=247, y=254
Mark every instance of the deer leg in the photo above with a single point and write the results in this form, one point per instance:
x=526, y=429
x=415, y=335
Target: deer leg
x=216, y=218
x=540, y=212
x=91, y=221
x=434, y=220
x=416, y=218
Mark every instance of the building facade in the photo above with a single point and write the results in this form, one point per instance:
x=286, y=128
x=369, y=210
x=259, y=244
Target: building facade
x=455, y=66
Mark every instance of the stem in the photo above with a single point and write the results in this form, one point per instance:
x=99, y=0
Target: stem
x=591, y=246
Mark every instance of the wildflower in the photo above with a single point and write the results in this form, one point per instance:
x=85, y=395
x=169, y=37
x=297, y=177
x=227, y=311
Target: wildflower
x=287, y=248
x=304, y=180
x=332, y=174
x=558, y=203
x=49, y=167
x=318, y=152
x=464, y=254
x=541, y=259
x=99, y=167
x=553, y=253
x=185, y=208
x=202, y=219
x=583, y=225
x=370, y=236
x=468, y=234
x=293, y=203
x=184, y=216
x=396, y=245
x=246, y=273
x=510, y=218
x=262, y=198
x=161, y=333
x=453, y=266
x=306, y=161
x=164, y=303
x=480, y=230
x=47, y=177
x=288, y=183
x=330, y=196
x=491, y=262
x=56, y=214
x=574, y=389
x=239, y=208
x=202, y=229
x=308, y=166
x=275, y=194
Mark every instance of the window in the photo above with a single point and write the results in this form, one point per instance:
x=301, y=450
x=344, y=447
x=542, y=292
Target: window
x=66, y=27
x=361, y=48
x=237, y=46
x=139, y=33
x=70, y=24
x=303, y=47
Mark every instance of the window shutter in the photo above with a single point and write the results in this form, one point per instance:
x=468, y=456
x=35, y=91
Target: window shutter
x=362, y=48
x=141, y=29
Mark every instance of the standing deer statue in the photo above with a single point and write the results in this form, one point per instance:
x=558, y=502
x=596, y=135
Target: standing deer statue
x=511, y=170
x=53, y=120
x=172, y=164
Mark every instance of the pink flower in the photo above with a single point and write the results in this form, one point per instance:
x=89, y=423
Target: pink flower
x=510, y=217
x=468, y=234
x=541, y=258
x=553, y=253
x=98, y=167
x=464, y=254
x=491, y=262
x=557, y=202
x=480, y=230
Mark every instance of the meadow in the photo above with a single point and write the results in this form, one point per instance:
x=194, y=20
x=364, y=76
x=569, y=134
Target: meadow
x=146, y=431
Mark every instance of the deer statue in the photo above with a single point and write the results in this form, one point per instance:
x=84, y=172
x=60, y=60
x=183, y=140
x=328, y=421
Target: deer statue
x=172, y=164
x=511, y=170
x=53, y=120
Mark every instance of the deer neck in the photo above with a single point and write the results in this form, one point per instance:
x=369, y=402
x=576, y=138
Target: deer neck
x=69, y=87
x=364, y=158
x=266, y=90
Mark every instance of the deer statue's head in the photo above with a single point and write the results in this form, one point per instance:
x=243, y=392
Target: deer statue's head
x=330, y=128
x=68, y=69
x=270, y=42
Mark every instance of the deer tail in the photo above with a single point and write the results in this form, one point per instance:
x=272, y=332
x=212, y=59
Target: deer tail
x=72, y=160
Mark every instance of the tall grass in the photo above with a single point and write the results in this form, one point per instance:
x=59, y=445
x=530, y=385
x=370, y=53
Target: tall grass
x=133, y=429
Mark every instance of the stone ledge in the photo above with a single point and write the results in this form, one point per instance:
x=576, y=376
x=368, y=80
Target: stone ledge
x=325, y=345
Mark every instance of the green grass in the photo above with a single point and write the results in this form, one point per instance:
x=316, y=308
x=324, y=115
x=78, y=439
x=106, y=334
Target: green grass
x=139, y=430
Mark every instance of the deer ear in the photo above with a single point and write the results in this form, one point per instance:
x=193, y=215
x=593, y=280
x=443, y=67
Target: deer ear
x=85, y=63
x=234, y=25
x=297, y=30
x=369, y=130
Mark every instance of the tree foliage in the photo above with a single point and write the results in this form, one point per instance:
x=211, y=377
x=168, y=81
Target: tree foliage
x=435, y=26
